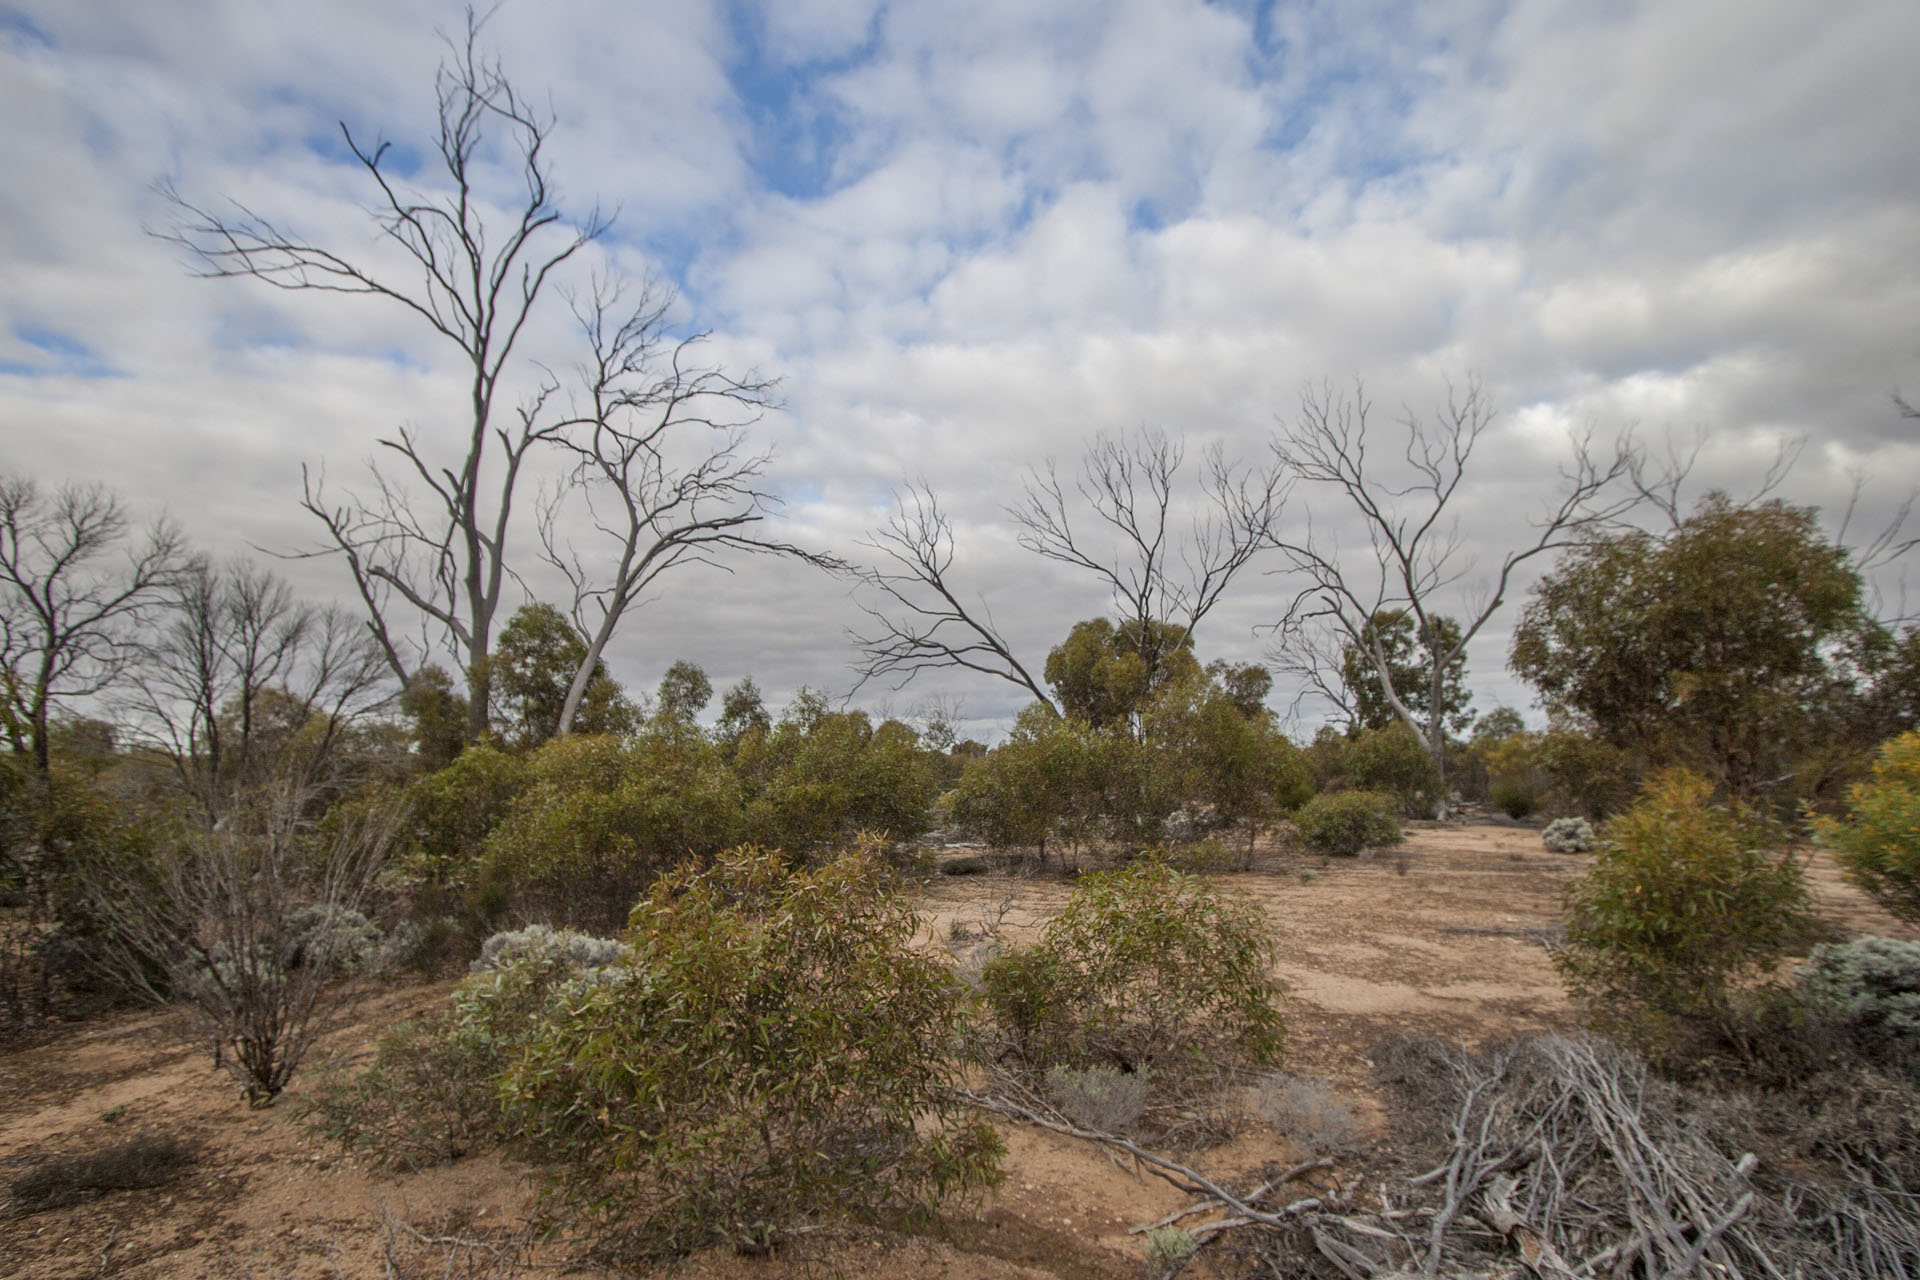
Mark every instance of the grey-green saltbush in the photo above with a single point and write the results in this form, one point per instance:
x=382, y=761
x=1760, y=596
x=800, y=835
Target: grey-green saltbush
x=1871, y=985
x=1569, y=835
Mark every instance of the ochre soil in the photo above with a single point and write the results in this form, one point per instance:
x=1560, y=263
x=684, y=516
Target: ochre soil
x=1445, y=937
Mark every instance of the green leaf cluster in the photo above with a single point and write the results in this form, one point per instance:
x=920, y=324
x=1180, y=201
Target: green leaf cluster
x=1347, y=822
x=1879, y=840
x=774, y=1051
x=1145, y=966
x=1685, y=902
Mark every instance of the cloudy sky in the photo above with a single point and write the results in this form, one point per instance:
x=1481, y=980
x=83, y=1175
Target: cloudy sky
x=969, y=238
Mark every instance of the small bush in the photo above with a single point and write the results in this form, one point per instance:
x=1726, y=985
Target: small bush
x=1170, y=1248
x=1393, y=760
x=431, y=1093
x=775, y=1050
x=1879, y=843
x=144, y=1161
x=1345, y=822
x=1686, y=901
x=1869, y=985
x=1146, y=965
x=1569, y=835
x=1311, y=1115
x=1104, y=1099
x=1515, y=799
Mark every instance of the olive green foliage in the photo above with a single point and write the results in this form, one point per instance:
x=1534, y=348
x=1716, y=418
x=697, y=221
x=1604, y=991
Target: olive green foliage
x=819, y=777
x=431, y=1094
x=1189, y=753
x=1391, y=760
x=602, y=817
x=1871, y=986
x=1737, y=645
x=776, y=1051
x=1410, y=662
x=534, y=660
x=437, y=717
x=1146, y=966
x=1879, y=840
x=1685, y=902
x=1106, y=673
x=1347, y=822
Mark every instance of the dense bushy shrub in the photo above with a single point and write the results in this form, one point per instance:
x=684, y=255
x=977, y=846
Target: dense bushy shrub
x=1569, y=835
x=1515, y=799
x=431, y=1092
x=1869, y=985
x=1685, y=901
x=1391, y=760
x=1879, y=842
x=1146, y=965
x=777, y=1050
x=1346, y=822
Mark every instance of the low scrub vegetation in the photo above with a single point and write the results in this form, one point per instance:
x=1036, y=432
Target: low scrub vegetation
x=1879, y=840
x=1687, y=905
x=1349, y=822
x=1146, y=966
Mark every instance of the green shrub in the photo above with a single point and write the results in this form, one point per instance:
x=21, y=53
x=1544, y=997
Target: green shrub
x=774, y=1050
x=1685, y=901
x=1146, y=965
x=1569, y=835
x=1392, y=760
x=1879, y=843
x=1869, y=985
x=1515, y=799
x=431, y=1093
x=1345, y=822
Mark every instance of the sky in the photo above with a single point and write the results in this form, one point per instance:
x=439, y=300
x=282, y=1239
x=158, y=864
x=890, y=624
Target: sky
x=971, y=239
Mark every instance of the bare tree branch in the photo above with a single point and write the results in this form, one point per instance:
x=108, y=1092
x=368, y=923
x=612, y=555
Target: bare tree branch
x=74, y=591
x=660, y=463
x=473, y=277
x=1414, y=552
x=920, y=622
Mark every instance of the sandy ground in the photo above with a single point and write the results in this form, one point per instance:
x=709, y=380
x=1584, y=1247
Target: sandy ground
x=1446, y=938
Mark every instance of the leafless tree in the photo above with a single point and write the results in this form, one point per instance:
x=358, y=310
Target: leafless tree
x=75, y=586
x=1164, y=579
x=661, y=463
x=255, y=928
x=239, y=684
x=920, y=622
x=434, y=535
x=1165, y=573
x=1414, y=555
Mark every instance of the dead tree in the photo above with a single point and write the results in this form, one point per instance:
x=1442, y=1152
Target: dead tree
x=1164, y=580
x=434, y=533
x=1166, y=572
x=1414, y=556
x=919, y=620
x=661, y=464
x=238, y=683
x=75, y=587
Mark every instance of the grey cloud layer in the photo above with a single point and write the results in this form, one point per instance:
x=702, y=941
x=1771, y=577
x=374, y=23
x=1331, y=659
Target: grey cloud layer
x=1036, y=223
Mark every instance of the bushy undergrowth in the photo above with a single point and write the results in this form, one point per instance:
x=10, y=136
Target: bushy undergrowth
x=1102, y=1098
x=774, y=1051
x=431, y=1094
x=1879, y=841
x=1686, y=902
x=1146, y=965
x=1346, y=822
